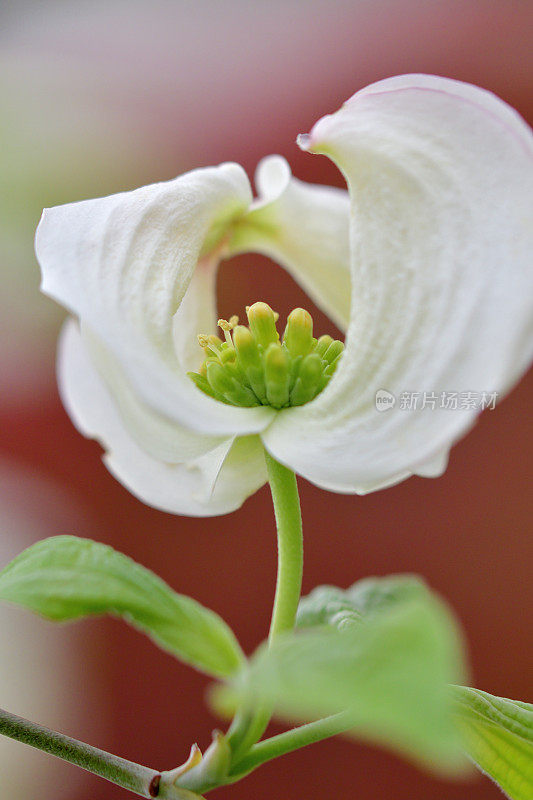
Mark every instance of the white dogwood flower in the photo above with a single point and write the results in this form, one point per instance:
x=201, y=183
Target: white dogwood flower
x=424, y=262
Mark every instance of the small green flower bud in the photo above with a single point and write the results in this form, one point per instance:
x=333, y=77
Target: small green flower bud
x=218, y=378
x=263, y=324
x=277, y=375
x=226, y=354
x=295, y=368
x=221, y=380
x=234, y=369
x=307, y=382
x=249, y=359
x=333, y=351
x=298, y=336
x=246, y=347
x=330, y=369
x=322, y=345
x=251, y=367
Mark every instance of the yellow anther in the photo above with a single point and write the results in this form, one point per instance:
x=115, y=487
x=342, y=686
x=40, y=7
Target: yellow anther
x=210, y=342
x=227, y=327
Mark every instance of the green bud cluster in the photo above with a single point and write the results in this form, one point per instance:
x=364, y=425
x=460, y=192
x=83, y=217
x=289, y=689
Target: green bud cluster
x=253, y=367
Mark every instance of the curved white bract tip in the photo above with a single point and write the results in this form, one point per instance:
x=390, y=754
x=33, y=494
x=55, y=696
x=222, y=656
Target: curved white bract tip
x=440, y=175
x=304, y=141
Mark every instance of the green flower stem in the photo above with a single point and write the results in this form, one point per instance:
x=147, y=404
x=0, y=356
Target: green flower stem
x=289, y=741
x=284, y=490
x=248, y=727
x=141, y=780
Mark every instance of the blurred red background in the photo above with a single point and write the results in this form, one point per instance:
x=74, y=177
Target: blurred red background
x=103, y=97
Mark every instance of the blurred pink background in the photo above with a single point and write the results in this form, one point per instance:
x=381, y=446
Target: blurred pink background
x=100, y=97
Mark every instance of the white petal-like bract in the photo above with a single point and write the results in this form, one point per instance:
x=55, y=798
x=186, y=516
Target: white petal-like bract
x=425, y=262
x=123, y=264
x=217, y=482
x=440, y=176
x=305, y=228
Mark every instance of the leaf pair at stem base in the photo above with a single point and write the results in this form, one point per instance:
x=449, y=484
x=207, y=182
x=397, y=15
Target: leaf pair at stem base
x=389, y=667
x=373, y=661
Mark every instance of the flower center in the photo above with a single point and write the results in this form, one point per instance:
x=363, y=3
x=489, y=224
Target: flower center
x=252, y=367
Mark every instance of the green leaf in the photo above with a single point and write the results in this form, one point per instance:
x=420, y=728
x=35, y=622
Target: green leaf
x=65, y=577
x=329, y=605
x=389, y=671
x=498, y=736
